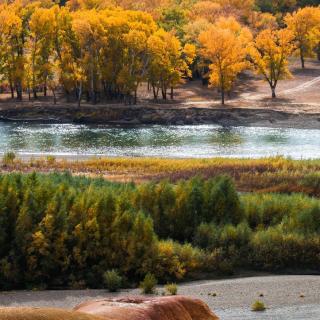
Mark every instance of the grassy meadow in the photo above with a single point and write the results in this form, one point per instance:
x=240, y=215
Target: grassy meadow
x=277, y=174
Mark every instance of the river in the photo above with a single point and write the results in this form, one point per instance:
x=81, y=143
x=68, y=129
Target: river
x=194, y=141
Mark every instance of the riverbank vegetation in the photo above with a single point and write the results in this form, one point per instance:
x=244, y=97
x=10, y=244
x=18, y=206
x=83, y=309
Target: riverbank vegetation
x=276, y=174
x=104, y=51
x=64, y=231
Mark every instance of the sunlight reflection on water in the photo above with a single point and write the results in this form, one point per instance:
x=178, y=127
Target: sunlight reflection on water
x=197, y=141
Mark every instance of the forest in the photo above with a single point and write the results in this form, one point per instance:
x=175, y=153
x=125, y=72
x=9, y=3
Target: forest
x=104, y=50
x=59, y=231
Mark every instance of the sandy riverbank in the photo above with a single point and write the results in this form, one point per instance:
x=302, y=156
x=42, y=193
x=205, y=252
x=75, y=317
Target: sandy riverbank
x=286, y=297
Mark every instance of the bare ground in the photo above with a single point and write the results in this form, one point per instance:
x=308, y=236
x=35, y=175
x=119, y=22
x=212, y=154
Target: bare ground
x=286, y=297
x=299, y=95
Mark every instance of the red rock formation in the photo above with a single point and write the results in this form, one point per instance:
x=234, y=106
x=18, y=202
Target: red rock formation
x=148, y=308
x=43, y=314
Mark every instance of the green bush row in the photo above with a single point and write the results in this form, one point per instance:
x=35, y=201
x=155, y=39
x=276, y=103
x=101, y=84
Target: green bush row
x=62, y=231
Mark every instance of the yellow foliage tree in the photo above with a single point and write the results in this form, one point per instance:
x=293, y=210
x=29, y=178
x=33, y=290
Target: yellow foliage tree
x=193, y=29
x=269, y=55
x=259, y=21
x=206, y=10
x=241, y=32
x=91, y=36
x=303, y=23
x=224, y=46
x=168, y=62
x=11, y=48
x=42, y=30
x=237, y=8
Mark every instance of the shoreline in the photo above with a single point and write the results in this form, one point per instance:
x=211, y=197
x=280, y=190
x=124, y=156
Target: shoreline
x=270, y=116
x=285, y=296
x=74, y=158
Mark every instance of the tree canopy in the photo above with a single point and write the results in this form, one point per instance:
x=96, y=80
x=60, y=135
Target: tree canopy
x=108, y=50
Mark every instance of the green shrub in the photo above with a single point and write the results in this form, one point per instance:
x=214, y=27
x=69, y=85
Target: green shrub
x=112, y=280
x=171, y=289
x=148, y=284
x=82, y=223
x=223, y=202
x=175, y=260
x=275, y=249
x=8, y=157
x=258, y=306
x=51, y=159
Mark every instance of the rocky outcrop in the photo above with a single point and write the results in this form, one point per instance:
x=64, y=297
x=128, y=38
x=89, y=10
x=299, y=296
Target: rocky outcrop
x=148, y=308
x=43, y=314
x=136, y=308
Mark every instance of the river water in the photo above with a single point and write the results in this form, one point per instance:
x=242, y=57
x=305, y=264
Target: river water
x=195, y=141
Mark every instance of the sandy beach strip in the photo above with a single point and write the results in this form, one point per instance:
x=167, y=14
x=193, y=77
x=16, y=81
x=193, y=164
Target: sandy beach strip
x=286, y=297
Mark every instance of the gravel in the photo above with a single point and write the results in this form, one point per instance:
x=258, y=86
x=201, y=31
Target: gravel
x=286, y=297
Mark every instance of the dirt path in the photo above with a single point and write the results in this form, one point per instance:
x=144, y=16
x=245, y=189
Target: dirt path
x=298, y=88
x=286, y=297
x=258, y=97
x=302, y=86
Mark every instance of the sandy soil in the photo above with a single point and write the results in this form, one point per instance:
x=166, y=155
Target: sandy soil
x=252, y=91
x=286, y=297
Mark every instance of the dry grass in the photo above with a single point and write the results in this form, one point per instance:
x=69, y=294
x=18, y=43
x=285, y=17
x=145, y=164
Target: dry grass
x=43, y=314
x=260, y=175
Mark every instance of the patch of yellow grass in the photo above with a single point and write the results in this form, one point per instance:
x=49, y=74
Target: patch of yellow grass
x=275, y=174
x=43, y=314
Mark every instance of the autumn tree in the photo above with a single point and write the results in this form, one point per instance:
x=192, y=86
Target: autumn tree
x=269, y=55
x=259, y=21
x=276, y=7
x=303, y=23
x=11, y=49
x=42, y=30
x=173, y=19
x=135, y=56
x=169, y=62
x=238, y=8
x=67, y=54
x=224, y=46
x=207, y=10
x=193, y=29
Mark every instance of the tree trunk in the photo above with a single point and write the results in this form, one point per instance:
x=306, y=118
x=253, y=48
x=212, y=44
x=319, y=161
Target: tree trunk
x=222, y=95
x=45, y=90
x=92, y=82
x=79, y=94
x=54, y=97
x=155, y=93
x=273, y=90
x=19, y=91
x=302, y=59
x=155, y=90
x=135, y=97
x=164, y=93
x=12, y=91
